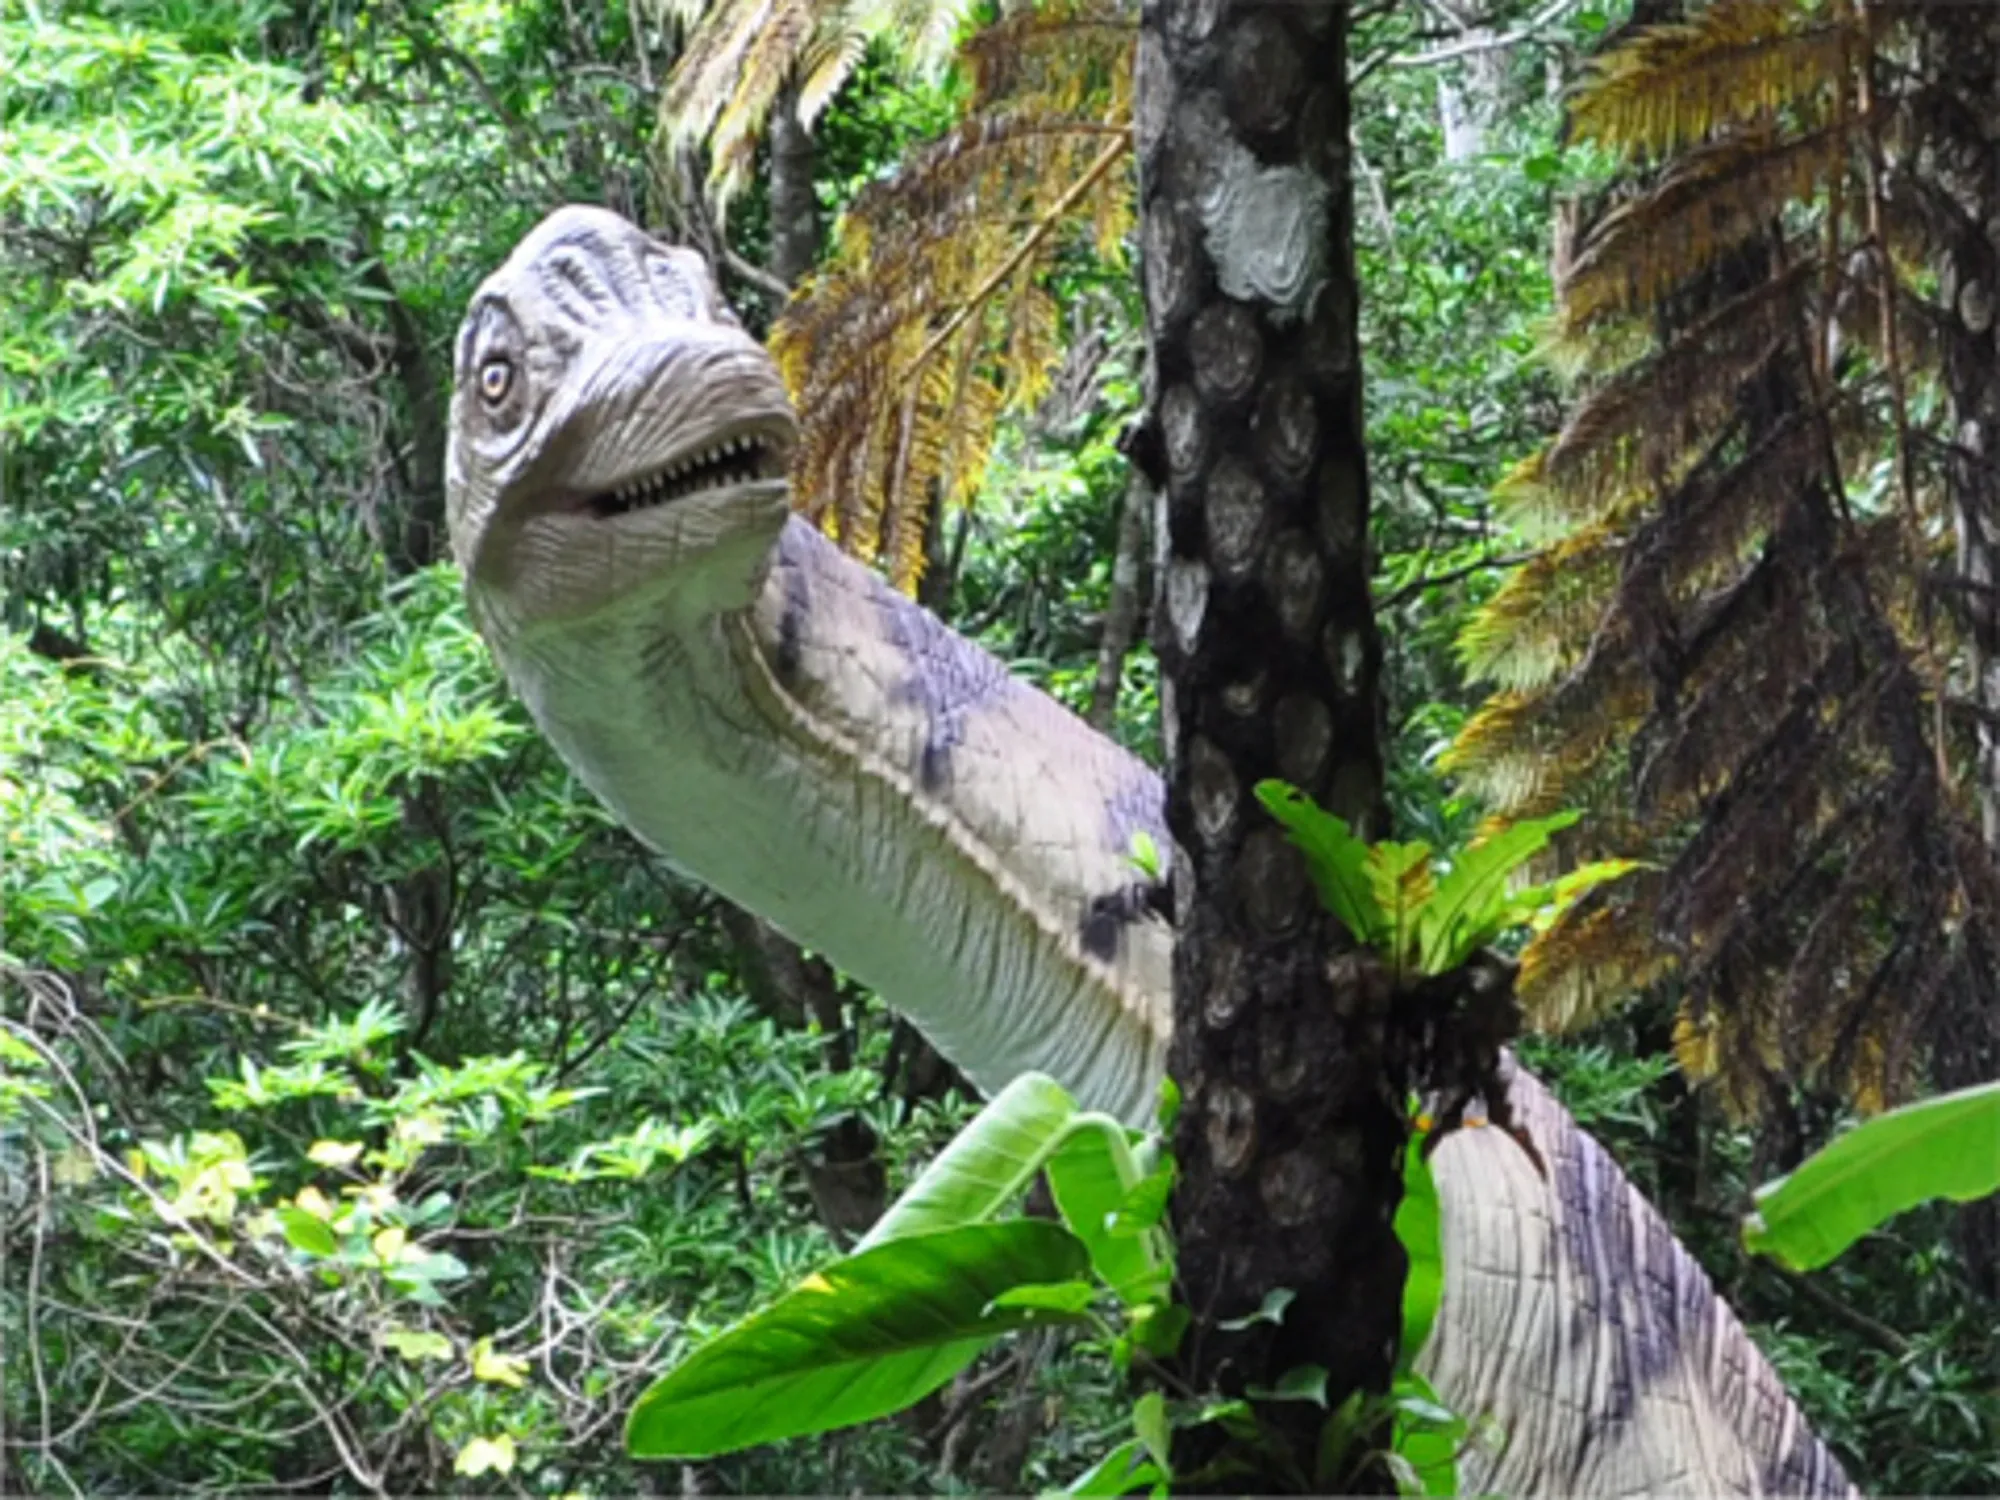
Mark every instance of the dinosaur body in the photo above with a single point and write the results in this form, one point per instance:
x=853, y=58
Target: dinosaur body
x=782, y=726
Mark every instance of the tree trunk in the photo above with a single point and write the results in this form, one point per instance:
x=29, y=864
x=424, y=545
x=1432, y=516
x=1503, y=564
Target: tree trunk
x=1470, y=90
x=1291, y=1124
x=1121, y=616
x=794, y=206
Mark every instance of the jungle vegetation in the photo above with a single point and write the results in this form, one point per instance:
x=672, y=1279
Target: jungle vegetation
x=376, y=1115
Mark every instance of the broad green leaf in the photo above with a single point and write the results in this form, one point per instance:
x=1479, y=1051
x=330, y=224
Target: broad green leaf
x=1299, y=1383
x=496, y=1368
x=1425, y=1436
x=1417, y=1226
x=1271, y=1310
x=1057, y=1296
x=307, y=1232
x=1145, y=1203
x=987, y=1165
x=1338, y=860
x=1092, y=1174
x=1947, y=1147
x=1149, y=1421
x=1470, y=900
x=1157, y=1327
x=867, y=1336
x=482, y=1455
x=1400, y=877
x=1121, y=1471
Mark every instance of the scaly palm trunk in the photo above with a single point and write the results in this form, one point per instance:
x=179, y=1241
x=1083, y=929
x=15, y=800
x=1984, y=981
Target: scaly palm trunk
x=1289, y=1129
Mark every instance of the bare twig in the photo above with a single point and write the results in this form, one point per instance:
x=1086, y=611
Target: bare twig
x=1452, y=575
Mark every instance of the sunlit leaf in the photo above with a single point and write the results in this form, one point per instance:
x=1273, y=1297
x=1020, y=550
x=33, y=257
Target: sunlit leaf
x=485, y=1455
x=1947, y=1147
x=867, y=1336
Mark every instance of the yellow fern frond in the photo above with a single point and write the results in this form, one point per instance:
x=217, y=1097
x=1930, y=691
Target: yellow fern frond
x=1647, y=424
x=1736, y=63
x=1698, y=1044
x=705, y=75
x=1713, y=200
x=828, y=61
x=1539, y=623
x=1524, y=753
x=933, y=315
x=765, y=65
x=1594, y=957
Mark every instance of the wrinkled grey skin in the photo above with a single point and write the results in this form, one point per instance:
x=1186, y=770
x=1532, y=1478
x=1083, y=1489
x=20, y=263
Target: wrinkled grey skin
x=781, y=726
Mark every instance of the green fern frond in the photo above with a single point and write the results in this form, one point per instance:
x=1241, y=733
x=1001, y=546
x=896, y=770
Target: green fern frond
x=1737, y=63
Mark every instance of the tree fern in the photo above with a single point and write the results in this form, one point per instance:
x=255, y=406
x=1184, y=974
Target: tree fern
x=1734, y=642
x=739, y=56
x=933, y=317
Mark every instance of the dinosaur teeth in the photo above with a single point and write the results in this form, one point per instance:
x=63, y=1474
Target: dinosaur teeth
x=742, y=459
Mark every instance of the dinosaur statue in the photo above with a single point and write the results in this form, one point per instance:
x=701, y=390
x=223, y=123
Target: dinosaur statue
x=782, y=726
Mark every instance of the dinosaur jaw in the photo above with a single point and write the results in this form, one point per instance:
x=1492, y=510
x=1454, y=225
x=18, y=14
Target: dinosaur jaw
x=747, y=454
x=671, y=513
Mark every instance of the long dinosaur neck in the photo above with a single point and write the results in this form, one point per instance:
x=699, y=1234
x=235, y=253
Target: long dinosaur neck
x=837, y=761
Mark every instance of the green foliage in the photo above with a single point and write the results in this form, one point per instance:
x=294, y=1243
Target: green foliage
x=941, y=1277
x=937, y=1279
x=378, y=1116
x=1391, y=898
x=1946, y=1147
x=866, y=1336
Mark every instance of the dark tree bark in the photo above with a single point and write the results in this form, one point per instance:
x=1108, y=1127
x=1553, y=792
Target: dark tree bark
x=1121, y=617
x=1291, y=1122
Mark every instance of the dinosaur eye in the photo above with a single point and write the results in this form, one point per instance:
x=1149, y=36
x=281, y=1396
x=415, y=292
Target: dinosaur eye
x=496, y=378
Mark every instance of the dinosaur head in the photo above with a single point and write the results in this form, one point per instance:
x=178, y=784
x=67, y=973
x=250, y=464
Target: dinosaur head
x=616, y=437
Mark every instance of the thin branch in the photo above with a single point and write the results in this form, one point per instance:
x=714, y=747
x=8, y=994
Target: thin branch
x=1453, y=575
x=636, y=22
x=1472, y=45
x=756, y=276
x=1880, y=1334
x=1106, y=160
